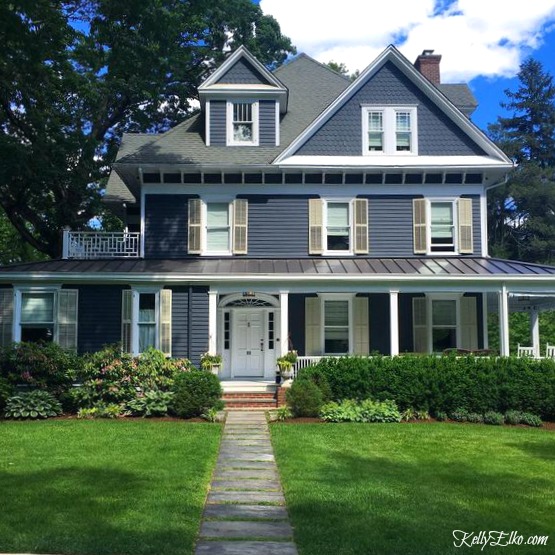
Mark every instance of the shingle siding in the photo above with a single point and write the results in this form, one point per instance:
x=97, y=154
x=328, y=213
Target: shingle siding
x=341, y=135
x=218, y=133
x=189, y=308
x=267, y=122
x=98, y=316
x=242, y=73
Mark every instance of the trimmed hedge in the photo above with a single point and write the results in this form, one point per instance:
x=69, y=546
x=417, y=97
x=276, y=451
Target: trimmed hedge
x=442, y=384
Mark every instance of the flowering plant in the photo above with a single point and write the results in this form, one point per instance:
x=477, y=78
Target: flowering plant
x=207, y=360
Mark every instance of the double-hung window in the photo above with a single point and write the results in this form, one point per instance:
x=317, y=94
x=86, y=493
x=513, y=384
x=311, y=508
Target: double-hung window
x=218, y=231
x=442, y=227
x=147, y=321
x=336, y=327
x=389, y=130
x=37, y=316
x=242, y=123
x=444, y=324
x=338, y=226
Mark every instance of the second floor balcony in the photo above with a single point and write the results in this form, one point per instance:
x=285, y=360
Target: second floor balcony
x=85, y=245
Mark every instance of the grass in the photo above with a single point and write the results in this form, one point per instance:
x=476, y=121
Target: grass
x=104, y=487
x=402, y=489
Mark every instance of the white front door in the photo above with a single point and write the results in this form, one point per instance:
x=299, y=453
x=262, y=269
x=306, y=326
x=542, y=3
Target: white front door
x=248, y=341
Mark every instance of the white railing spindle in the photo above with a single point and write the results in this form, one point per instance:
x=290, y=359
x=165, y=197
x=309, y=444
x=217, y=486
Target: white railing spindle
x=92, y=244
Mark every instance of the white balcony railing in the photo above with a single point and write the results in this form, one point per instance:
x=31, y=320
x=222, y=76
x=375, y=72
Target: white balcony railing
x=92, y=244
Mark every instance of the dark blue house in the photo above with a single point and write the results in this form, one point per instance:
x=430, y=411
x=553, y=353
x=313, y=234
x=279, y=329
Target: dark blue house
x=297, y=210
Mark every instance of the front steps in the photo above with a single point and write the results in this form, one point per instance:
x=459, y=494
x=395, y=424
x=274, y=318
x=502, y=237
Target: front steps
x=249, y=395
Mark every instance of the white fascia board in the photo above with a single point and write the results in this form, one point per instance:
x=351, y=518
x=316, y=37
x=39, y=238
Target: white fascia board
x=392, y=54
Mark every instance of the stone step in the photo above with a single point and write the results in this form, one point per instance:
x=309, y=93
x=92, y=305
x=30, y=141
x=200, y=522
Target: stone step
x=245, y=548
x=230, y=511
x=245, y=529
x=245, y=484
x=248, y=497
x=251, y=474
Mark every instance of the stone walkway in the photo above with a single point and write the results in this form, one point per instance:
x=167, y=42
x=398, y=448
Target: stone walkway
x=245, y=511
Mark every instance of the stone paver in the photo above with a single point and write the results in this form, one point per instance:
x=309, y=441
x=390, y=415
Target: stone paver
x=245, y=510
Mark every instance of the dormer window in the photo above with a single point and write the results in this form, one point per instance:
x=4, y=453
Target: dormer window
x=242, y=123
x=389, y=130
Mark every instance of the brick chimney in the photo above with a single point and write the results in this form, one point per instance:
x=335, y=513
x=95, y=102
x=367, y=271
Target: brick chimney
x=428, y=65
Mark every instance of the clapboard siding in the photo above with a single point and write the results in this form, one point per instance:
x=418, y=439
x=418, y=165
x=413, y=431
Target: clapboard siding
x=217, y=123
x=98, y=316
x=166, y=226
x=189, y=308
x=267, y=122
x=242, y=73
x=378, y=314
x=296, y=306
x=341, y=135
x=278, y=225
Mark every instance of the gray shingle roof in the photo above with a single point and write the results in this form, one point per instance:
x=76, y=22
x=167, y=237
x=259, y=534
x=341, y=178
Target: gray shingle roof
x=460, y=95
x=437, y=267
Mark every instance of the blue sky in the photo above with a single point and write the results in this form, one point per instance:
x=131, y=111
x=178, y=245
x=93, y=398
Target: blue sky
x=482, y=42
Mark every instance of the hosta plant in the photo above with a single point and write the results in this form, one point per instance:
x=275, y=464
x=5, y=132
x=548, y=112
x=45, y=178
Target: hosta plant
x=33, y=405
x=152, y=403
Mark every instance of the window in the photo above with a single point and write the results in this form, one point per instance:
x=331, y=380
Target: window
x=338, y=227
x=242, y=120
x=442, y=227
x=146, y=317
x=218, y=228
x=336, y=326
x=444, y=324
x=37, y=317
x=389, y=130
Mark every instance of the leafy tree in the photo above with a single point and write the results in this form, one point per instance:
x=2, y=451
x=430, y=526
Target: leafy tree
x=342, y=69
x=522, y=213
x=76, y=74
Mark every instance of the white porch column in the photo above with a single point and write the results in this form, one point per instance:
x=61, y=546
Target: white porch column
x=485, y=331
x=504, y=321
x=394, y=322
x=212, y=322
x=535, y=331
x=283, y=322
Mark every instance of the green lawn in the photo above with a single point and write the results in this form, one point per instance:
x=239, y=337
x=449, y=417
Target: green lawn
x=104, y=487
x=402, y=488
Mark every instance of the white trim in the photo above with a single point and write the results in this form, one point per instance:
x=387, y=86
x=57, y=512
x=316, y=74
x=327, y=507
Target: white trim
x=389, y=130
x=433, y=94
x=283, y=322
x=535, y=331
x=267, y=297
x=212, y=321
x=339, y=200
x=484, y=224
x=485, y=331
x=430, y=298
x=207, y=122
x=143, y=221
x=230, y=141
x=277, y=124
x=454, y=204
x=204, y=228
x=336, y=297
x=503, y=321
x=394, y=322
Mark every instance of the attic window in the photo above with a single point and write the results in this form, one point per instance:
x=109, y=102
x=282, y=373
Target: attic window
x=389, y=130
x=242, y=119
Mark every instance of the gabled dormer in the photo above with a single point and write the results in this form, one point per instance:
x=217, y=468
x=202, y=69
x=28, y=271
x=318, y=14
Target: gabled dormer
x=242, y=103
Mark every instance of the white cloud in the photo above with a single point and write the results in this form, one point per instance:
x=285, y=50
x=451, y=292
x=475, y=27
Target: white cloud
x=475, y=37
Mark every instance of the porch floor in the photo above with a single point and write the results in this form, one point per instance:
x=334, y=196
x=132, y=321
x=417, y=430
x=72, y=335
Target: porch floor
x=248, y=386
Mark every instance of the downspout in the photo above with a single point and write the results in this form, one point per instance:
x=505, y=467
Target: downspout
x=189, y=319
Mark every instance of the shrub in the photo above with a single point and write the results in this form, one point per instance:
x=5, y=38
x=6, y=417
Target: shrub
x=304, y=398
x=6, y=391
x=40, y=365
x=152, y=403
x=195, y=392
x=367, y=410
x=110, y=410
x=283, y=413
x=444, y=383
x=33, y=405
x=494, y=418
x=475, y=418
x=531, y=420
x=513, y=417
x=460, y=415
x=411, y=414
x=441, y=416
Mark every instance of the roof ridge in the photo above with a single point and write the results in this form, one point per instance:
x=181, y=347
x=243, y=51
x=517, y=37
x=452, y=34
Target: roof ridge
x=311, y=59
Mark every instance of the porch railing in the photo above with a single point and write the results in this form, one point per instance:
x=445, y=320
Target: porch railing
x=93, y=244
x=305, y=362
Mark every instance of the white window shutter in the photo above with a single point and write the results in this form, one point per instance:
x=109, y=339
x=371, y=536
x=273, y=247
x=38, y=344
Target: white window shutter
x=420, y=325
x=194, y=226
x=465, y=226
x=240, y=226
x=316, y=226
x=361, y=226
x=67, y=318
x=6, y=316
x=419, y=225
x=469, y=323
x=166, y=321
x=361, y=328
x=313, y=326
x=126, y=320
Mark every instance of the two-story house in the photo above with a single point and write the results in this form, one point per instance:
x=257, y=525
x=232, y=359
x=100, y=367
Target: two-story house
x=296, y=210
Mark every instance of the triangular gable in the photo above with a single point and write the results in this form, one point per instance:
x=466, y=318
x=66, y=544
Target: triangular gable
x=238, y=69
x=393, y=61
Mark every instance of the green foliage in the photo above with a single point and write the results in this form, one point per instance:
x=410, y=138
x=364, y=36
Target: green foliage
x=304, y=398
x=152, y=403
x=513, y=417
x=32, y=405
x=530, y=420
x=446, y=383
x=40, y=365
x=494, y=418
x=460, y=415
x=360, y=411
x=441, y=416
x=6, y=391
x=195, y=392
x=475, y=418
x=411, y=414
x=211, y=415
x=110, y=376
x=102, y=410
x=283, y=413
x=76, y=75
